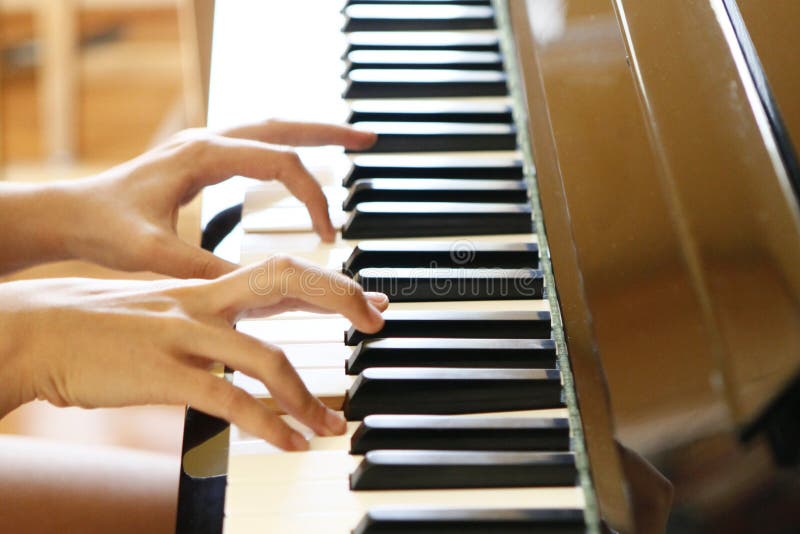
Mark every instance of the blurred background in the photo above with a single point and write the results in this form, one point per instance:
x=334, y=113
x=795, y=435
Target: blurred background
x=85, y=85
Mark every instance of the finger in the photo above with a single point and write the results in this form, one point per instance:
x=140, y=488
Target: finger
x=219, y=398
x=304, y=134
x=283, y=277
x=174, y=257
x=226, y=157
x=379, y=301
x=268, y=363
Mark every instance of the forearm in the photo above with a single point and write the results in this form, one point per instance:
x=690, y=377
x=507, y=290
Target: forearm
x=35, y=221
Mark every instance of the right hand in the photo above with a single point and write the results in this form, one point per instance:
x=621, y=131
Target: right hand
x=105, y=343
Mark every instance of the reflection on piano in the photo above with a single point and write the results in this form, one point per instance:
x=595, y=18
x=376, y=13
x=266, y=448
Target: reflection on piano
x=464, y=413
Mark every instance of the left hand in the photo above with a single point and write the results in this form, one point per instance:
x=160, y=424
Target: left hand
x=125, y=218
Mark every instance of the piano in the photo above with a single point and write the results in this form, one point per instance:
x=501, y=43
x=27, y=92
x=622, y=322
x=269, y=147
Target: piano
x=533, y=304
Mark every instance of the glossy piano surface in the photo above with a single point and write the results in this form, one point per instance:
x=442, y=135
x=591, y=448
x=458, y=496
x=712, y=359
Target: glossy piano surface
x=671, y=220
x=673, y=229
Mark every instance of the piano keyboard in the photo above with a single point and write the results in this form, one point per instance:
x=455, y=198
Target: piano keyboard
x=461, y=414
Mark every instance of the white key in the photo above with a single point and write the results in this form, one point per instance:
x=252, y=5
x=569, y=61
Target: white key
x=420, y=105
x=274, y=195
x=422, y=37
x=413, y=159
x=327, y=330
x=266, y=497
x=317, y=355
x=330, y=385
x=257, y=247
x=245, y=443
x=287, y=219
x=343, y=509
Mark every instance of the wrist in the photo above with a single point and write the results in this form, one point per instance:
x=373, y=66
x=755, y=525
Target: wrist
x=36, y=219
x=15, y=389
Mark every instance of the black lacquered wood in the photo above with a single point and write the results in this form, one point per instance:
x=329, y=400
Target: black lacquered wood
x=425, y=40
x=474, y=433
x=434, y=190
x=387, y=470
x=423, y=59
x=422, y=390
x=471, y=521
x=201, y=500
x=371, y=220
x=402, y=284
x=415, y=83
x=389, y=166
x=439, y=136
x=458, y=324
x=443, y=352
x=455, y=253
x=417, y=17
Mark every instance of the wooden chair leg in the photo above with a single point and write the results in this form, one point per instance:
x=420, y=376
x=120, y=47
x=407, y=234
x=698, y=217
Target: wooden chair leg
x=195, y=19
x=57, y=30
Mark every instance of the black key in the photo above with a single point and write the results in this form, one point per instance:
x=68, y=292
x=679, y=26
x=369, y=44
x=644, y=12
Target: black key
x=423, y=59
x=385, y=520
x=434, y=391
x=439, y=136
x=431, y=432
x=429, y=111
x=377, y=166
x=458, y=253
x=387, y=470
x=469, y=41
x=458, y=324
x=413, y=83
x=427, y=219
x=451, y=284
x=469, y=353
x=433, y=190
x=396, y=17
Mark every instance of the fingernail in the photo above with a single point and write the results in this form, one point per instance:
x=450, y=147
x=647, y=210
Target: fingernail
x=334, y=422
x=299, y=443
x=377, y=298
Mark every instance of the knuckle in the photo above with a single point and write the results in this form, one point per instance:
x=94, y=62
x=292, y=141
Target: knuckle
x=281, y=262
x=196, y=149
x=277, y=363
x=292, y=160
x=230, y=399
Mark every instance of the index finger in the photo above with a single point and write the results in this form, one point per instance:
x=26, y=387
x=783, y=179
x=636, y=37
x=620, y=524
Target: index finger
x=225, y=157
x=283, y=277
x=303, y=134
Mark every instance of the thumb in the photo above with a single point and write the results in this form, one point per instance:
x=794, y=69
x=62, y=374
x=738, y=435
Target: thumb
x=182, y=260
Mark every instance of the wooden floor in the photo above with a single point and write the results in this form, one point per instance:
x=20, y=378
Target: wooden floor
x=130, y=88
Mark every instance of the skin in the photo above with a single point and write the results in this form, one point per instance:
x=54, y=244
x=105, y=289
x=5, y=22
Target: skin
x=121, y=343
x=108, y=343
x=125, y=218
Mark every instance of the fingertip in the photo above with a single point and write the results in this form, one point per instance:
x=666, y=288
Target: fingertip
x=327, y=235
x=335, y=423
x=378, y=300
x=364, y=139
x=299, y=443
x=375, y=318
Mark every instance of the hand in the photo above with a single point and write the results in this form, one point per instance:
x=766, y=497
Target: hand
x=125, y=217
x=105, y=343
